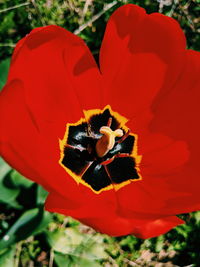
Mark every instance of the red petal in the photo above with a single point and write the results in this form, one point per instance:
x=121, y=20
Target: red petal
x=139, y=52
x=119, y=226
x=143, y=61
x=157, y=227
x=180, y=122
x=17, y=129
x=54, y=77
x=170, y=150
x=89, y=206
x=59, y=74
x=35, y=155
x=105, y=218
x=21, y=143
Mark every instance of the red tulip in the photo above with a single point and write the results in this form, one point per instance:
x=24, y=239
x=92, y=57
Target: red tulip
x=117, y=148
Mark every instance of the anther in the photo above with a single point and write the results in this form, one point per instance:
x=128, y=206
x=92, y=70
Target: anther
x=107, y=141
x=124, y=137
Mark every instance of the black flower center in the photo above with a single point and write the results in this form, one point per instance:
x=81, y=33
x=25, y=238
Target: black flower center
x=99, y=152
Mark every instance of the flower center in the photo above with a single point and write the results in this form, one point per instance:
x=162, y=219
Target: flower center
x=100, y=152
x=107, y=141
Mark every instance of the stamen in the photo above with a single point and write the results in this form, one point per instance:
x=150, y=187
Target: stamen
x=107, y=141
x=124, y=137
x=122, y=155
x=109, y=122
x=108, y=161
x=88, y=129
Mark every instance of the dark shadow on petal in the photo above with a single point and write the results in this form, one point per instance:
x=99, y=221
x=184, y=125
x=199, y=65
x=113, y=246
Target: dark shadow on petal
x=129, y=14
x=40, y=38
x=85, y=63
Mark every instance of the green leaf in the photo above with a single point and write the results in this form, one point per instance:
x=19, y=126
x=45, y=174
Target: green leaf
x=7, y=257
x=70, y=241
x=43, y=223
x=4, y=67
x=159, y=243
x=17, y=180
x=59, y=241
x=30, y=223
x=8, y=195
x=196, y=215
x=4, y=168
x=74, y=261
x=41, y=195
x=184, y=230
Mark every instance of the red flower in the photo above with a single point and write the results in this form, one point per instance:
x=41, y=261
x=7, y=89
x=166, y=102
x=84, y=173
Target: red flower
x=118, y=149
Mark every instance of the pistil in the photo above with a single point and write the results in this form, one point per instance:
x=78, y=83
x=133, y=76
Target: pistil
x=107, y=141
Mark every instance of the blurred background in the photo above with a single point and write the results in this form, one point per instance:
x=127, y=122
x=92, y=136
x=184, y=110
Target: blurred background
x=32, y=237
